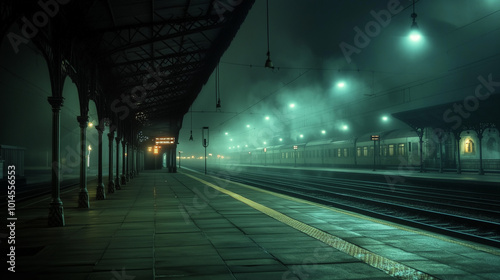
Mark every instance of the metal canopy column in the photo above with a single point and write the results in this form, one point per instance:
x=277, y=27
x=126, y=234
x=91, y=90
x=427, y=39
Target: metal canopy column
x=111, y=184
x=457, y=133
x=117, y=180
x=127, y=155
x=420, y=134
x=83, y=196
x=123, y=177
x=100, y=193
x=56, y=210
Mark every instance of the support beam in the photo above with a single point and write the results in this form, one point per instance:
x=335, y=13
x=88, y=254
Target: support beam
x=480, y=138
x=83, y=196
x=56, y=210
x=100, y=193
x=124, y=164
x=129, y=169
x=457, y=141
x=111, y=184
x=117, y=180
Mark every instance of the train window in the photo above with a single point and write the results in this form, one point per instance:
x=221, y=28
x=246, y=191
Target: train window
x=282, y=155
x=401, y=149
x=339, y=152
x=346, y=152
x=383, y=150
x=371, y=151
x=469, y=146
x=391, y=150
x=358, y=151
x=365, y=151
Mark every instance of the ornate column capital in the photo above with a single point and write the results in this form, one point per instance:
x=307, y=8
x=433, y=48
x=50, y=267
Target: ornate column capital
x=56, y=102
x=83, y=121
x=100, y=128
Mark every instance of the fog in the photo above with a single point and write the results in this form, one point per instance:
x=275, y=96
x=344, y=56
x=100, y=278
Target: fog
x=387, y=73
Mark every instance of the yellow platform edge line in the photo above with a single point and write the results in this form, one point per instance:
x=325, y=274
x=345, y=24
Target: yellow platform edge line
x=390, y=267
x=367, y=218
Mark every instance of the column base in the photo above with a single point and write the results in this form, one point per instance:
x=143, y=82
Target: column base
x=56, y=214
x=100, y=194
x=127, y=177
x=117, y=184
x=83, y=199
x=123, y=180
x=111, y=186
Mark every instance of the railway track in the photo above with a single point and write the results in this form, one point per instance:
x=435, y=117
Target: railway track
x=30, y=191
x=462, y=214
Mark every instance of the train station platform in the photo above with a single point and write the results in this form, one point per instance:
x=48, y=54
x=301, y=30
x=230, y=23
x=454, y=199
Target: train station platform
x=190, y=226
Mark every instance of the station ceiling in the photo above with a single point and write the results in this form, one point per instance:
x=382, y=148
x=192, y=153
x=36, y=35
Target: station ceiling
x=152, y=56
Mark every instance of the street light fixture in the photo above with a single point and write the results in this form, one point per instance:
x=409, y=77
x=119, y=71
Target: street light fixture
x=415, y=35
x=205, y=141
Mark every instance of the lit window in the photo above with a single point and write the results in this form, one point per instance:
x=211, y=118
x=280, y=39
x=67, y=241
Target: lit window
x=401, y=149
x=391, y=150
x=469, y=146
x=365, y=151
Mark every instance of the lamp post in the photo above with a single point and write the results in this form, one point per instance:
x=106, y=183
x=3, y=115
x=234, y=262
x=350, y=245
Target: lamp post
x=205, y=141
x=265, y=151
x=375, y=138
x=295, y=147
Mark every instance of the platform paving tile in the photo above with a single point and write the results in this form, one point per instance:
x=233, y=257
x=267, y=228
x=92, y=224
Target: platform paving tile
x=255, y=265
x=331, y=271
x=125, y=253
x=121, y=273
x=182, y=239
x=244, y=253
x=439, y=270
x=159, y=224
x=231, y=240
x=187, y=270
x=128, y=263
x=311, y=255
x=185, y=251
